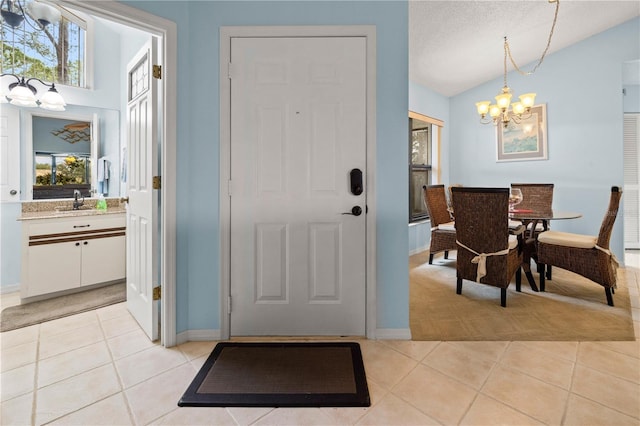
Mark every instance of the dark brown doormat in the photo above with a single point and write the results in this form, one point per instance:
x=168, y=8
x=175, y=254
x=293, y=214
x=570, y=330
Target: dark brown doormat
x=280, y=375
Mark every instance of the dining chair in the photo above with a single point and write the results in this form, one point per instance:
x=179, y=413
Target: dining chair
x=443, y=231
x=585, y=255
x=487, y=252
x=537, y=197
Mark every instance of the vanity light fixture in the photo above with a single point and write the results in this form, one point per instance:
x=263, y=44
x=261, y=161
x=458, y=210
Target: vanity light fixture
x=503, y=111
x=38, y=15
x=23, y=93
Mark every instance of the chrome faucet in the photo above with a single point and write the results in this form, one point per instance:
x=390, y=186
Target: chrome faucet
x=77, y=203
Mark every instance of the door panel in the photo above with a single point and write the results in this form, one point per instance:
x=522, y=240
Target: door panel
x=142, y=150
x=298, y=116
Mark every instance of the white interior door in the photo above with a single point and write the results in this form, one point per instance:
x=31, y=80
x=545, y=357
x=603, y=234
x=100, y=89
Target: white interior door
x=632, y=181
x=298, y=128
x=9, y=152
x=142, y=165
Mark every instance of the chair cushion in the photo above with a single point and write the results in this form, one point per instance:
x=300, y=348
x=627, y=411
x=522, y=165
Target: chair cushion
x=568, y=239
x=449, y=226
x=514, y=223
x=513, y=241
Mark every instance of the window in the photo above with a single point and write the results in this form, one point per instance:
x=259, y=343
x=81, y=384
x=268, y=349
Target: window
x=423, y=147
x=57, y=175
x=53, y=54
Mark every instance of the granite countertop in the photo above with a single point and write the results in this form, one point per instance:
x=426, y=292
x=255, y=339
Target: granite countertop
x=63, y=208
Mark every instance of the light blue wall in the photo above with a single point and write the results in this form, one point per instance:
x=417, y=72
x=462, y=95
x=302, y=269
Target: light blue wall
x=632, y=98
x=427, y=102
x=582, y=87
x=198, y=141
x=46, y=141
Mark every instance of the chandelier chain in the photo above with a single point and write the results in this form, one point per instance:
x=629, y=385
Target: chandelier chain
x=546, y=49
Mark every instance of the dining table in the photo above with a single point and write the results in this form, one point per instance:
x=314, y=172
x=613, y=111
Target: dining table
x=530, y=218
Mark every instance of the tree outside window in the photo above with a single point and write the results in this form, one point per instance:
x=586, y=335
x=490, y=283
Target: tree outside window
x=55, y=53
x=420, y=167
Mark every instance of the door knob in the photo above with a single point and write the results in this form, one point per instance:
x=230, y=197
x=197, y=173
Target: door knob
x=355, y=211
x=13, y=192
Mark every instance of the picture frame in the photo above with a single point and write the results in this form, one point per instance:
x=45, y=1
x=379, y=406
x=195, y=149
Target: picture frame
x=526, y=140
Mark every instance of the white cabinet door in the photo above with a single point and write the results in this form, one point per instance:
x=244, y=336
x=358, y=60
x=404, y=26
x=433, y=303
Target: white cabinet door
x=9, y=153
x=52, y=267
x=103, y=259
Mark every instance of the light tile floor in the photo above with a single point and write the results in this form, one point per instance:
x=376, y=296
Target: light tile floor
x=97, y=368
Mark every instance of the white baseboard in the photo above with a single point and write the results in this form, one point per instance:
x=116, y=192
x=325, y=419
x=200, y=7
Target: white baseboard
x=393, y=334
x=418, y=250
x=197, y=336
x=9, y=288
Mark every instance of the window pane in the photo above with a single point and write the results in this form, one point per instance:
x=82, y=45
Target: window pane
x=43, y=169
x=55, y=54
x=71, y=170
x=420, y=147
x=419, y=178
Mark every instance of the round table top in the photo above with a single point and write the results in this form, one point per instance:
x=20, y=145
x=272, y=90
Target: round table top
x=523, y=214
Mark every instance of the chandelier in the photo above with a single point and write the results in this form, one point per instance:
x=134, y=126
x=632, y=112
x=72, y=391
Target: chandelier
x=504, y=111
x=22, y=92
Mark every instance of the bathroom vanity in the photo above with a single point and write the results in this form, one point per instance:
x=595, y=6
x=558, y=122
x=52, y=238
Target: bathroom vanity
x=65, y=249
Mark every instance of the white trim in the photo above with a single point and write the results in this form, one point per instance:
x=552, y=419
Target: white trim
x=393, y=334
x=226, y=33
x=197, y=336
x=168, y=32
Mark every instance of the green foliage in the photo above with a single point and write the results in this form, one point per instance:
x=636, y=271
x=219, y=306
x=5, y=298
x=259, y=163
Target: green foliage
x=71, y=171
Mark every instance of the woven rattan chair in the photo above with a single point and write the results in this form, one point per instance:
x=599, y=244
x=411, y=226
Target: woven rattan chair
x=443, y=232
x=585, y=255
x=482, y=229
x=536, y=197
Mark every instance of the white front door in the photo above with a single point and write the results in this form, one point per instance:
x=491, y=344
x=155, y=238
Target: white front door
x=142, y=165
x=298, y=128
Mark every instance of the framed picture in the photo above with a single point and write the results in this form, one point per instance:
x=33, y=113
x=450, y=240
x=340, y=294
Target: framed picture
x=526, y=140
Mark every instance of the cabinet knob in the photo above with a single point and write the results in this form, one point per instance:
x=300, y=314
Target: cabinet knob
x=77, y=244
x=13, y=192
x=86, y=242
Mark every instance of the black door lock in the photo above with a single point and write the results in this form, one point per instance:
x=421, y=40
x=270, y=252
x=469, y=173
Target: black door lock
x=356, y=181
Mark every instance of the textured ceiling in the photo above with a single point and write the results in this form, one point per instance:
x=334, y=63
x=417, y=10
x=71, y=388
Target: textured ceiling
x=456, y=45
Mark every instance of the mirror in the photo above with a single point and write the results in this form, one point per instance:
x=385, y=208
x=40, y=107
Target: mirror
x=65, y=151
x=63, y=156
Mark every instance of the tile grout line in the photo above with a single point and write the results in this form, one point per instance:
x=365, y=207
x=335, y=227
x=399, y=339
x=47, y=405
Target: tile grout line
x=113, y=365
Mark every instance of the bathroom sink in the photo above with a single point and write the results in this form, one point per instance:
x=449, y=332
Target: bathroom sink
x=71, y=210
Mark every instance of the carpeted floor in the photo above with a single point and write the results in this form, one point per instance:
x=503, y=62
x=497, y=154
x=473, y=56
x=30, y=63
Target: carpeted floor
x=45, y=310
x=571, y=308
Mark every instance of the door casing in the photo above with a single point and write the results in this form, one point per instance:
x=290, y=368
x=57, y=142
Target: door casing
x=226, y=33
x=168, y=32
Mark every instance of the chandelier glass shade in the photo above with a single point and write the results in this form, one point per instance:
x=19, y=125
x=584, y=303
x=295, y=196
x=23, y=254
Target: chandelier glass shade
x=22, y=92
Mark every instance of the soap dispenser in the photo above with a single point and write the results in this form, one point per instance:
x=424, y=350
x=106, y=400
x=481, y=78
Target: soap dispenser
x=101, y=204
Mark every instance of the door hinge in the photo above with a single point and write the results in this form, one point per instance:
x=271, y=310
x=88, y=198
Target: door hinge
x=230, y=71
x=157, y=182
x=157, y=72
x=157, y=293
x=229, y=305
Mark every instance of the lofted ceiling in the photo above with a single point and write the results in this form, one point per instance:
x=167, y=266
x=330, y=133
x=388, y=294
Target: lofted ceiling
x=456, y=45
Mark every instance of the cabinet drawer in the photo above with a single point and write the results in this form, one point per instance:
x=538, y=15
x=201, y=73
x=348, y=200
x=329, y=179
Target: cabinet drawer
x=75, y=224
